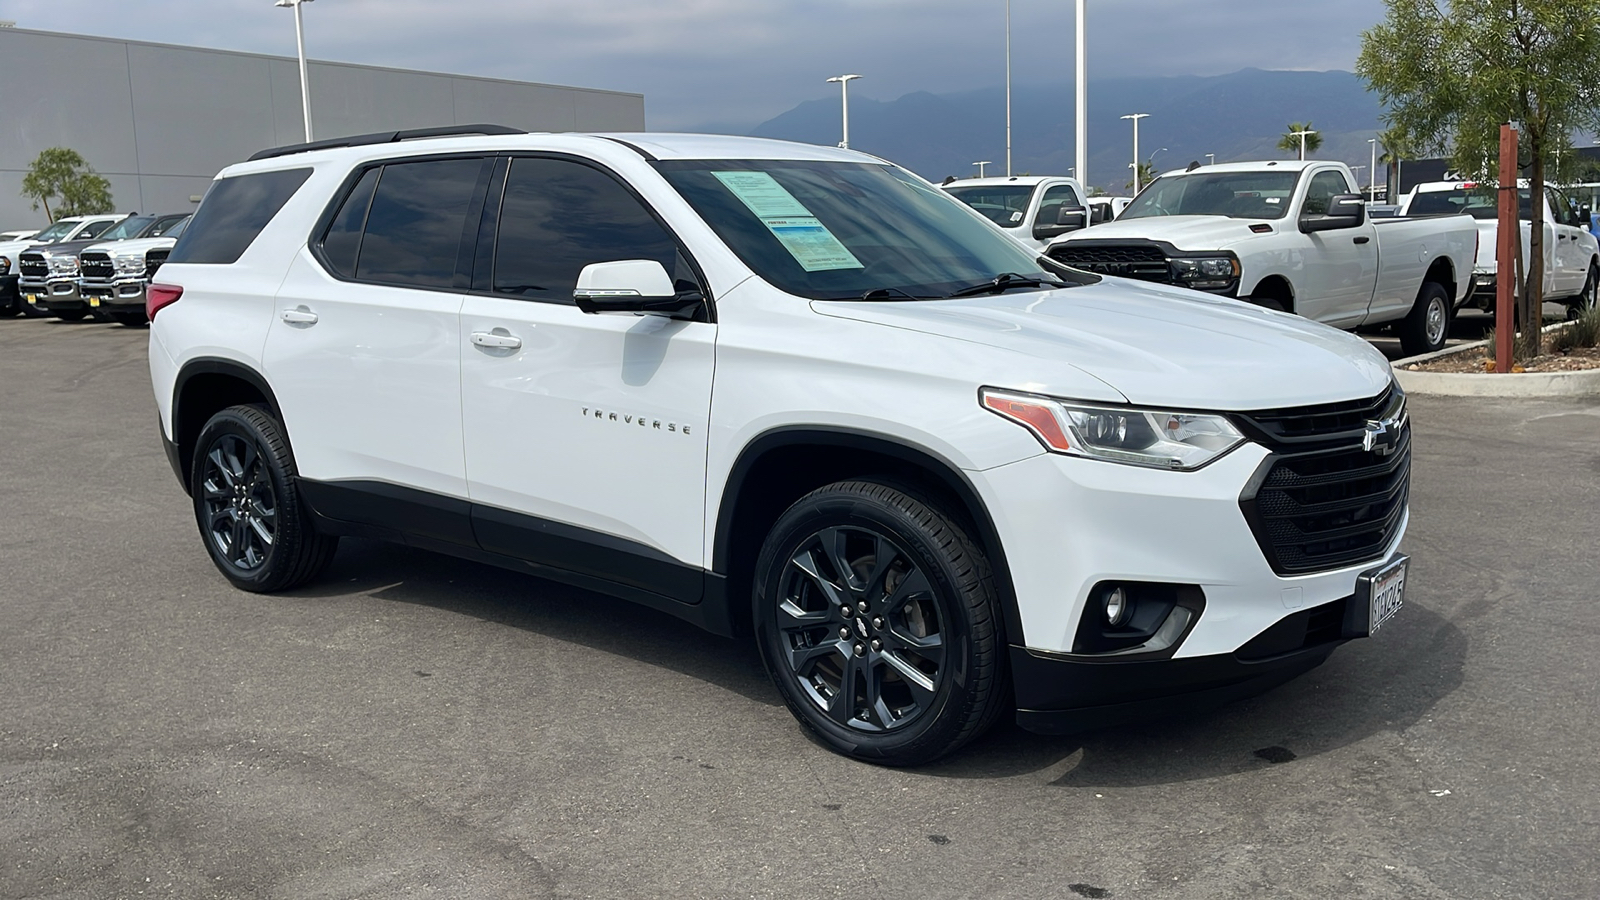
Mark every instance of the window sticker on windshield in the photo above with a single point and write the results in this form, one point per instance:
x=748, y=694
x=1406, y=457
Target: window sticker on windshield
x=811, y=244
x=762, y=193
x=1016, y=216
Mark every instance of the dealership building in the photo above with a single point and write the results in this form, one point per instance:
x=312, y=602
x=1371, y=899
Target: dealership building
x=159, y=120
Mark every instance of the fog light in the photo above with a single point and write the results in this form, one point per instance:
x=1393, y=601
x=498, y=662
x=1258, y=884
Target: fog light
x=1117, y=606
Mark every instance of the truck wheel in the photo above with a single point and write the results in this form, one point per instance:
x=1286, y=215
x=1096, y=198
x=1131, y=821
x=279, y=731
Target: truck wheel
x=877, y=619
x=130, y=319
x=1427, y=327
x=69, y=315
x=1585, y=301
x=250, y=517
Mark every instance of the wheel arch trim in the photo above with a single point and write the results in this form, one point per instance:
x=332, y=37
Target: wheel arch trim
x=209, y=365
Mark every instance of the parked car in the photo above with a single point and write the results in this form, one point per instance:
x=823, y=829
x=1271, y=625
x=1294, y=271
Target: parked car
x=12, y=300
x=56, y=289
x=1291, y=236
x=112, y=276
x=1032, y=209
x=7, y=237
x=783, y=389
x=1571, y=252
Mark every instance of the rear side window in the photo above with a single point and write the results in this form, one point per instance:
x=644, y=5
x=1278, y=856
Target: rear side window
x=417, y=230
x=343, y=240
x=559, y=216
x=233, y=213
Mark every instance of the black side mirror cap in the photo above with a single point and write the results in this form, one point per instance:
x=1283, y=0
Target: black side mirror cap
x=1344, y=211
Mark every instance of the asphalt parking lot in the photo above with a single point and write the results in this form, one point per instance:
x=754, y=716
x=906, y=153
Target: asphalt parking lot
x=417, y=726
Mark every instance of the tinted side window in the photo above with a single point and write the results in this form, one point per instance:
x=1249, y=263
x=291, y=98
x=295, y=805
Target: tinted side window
x=1324, y=185
x=417, y=226
x=343, y=240
x=233, y=212
x=559, y=216
x=93, y=229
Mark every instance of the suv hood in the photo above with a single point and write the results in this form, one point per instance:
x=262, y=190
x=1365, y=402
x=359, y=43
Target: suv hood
x=130, y=247
x=1182, y=232
x=1158, y=346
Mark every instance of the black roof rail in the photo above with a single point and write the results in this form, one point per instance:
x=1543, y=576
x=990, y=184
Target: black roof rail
x=385, y=137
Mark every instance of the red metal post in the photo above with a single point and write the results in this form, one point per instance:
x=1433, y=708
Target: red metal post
x=1505, y=253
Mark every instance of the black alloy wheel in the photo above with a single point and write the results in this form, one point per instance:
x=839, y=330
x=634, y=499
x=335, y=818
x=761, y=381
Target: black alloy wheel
x=258, y=534
x=877, y=620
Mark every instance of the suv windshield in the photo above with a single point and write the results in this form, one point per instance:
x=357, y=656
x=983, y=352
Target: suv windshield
x=1005, y=205
x=839, y=231
x=1237, y=195
x=55, y=232
x=127, y=228
x=1479, y=203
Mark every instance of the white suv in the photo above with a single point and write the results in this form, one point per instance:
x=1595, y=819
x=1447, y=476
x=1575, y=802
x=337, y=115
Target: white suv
x=787, y=390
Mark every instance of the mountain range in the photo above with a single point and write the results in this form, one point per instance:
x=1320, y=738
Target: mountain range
x=1237, y=116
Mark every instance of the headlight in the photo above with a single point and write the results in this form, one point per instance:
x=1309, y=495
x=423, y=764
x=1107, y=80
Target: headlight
x=64, y=265
x=1206, y=272
x=5, y=265
x=1159, y=439
x=129, y=265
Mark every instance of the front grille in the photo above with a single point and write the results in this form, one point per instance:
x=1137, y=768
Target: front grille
x=1328, y=509
x=153, y=260
x=1146, y=262
x=96, y=264
x=33, y=265
x=1330, y=422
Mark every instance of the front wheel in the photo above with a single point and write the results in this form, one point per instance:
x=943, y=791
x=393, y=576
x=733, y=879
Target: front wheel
x=258, y=534
x=1427, y=327
x=877, y=619
x=1586, y=300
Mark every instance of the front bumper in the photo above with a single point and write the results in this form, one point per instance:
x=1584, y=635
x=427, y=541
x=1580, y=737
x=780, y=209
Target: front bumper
x=56, y=295
x=128, y=293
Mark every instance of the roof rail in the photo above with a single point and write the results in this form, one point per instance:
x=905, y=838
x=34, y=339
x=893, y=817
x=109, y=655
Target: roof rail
x=385, y=137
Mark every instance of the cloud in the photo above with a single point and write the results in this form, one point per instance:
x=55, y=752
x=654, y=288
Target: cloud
x=742, y=61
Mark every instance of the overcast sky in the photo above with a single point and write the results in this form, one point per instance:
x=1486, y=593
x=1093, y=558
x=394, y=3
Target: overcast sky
x=740, y=62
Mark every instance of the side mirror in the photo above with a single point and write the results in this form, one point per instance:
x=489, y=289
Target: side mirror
x=633, y=286
x=1583, y=215
x=1344, y=211
x=1068, y=218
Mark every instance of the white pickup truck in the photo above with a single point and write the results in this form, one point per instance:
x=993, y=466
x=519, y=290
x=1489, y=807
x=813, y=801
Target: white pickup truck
x=1292, y=236
x=1571, y=253
x=1034, y=209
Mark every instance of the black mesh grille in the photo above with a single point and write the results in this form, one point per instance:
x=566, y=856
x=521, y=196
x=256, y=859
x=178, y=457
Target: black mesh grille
x=95, y=264
x=32, y=265
x=1142, y=261
x=1330, y=508
x=153, y=260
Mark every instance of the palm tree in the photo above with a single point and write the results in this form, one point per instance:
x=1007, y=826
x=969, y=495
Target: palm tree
x=1394, y=150
x=1299, y=144
x=1147, y=174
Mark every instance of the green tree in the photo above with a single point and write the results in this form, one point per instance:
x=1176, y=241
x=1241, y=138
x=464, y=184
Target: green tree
x=1450, y=72
x=62, y=174
x=1147, y=173
x=1394, y=152
x=1291, y=139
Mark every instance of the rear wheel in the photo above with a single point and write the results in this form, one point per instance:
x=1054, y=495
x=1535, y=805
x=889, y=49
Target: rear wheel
x=877, y=620
x=1585, y=301
x=258, y=534
x=1427, y=327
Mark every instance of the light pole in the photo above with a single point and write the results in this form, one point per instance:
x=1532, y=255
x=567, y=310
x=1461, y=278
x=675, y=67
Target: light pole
x=300, y=43
x=1372, y=173
x=1135, y=117
x=844, y=100
x=1302, y=136
x=980, y=164
x=1211, y=159
x=1008, y=88
x=1082, y=90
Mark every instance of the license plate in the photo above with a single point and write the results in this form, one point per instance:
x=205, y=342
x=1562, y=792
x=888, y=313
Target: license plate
x=94, y=302
x=1385, y=591
x=33, y=300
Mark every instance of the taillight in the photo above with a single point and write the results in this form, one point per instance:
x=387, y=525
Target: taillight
x=158, y=297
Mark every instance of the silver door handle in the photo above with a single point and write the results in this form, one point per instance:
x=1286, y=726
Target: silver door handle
x=499, y=339
x=300, y=316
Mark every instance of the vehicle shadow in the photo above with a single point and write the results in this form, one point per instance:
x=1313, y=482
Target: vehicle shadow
x=1383, y=684
x=1368, y=687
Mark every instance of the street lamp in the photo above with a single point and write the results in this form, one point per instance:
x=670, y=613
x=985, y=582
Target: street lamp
x=1008, y=88
x=1302, y=136
x=1135, y=117
x=1372, y=173
x=300, y=43
x=1082, y=89
x=844, y=99
x=980, y=164
x=1211, y=159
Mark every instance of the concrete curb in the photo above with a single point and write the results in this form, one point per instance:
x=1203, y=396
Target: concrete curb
x=1463, y=384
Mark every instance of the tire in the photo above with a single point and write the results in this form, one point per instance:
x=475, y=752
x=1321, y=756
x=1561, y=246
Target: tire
x=1427, y=327
x=35, y=312
x=1585, y=301
x=250, y=517
x=1272, y=303
x=895, y=662
x=70, y=315
x=130, y=319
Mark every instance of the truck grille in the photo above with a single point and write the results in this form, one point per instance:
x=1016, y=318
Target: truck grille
x=1143, y=261
x=153, y=260
x=32, y=265
x=95, y=265
x=1324, y=499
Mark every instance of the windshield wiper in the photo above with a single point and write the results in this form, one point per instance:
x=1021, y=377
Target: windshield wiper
x=1005, y=281
x=892, y=293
